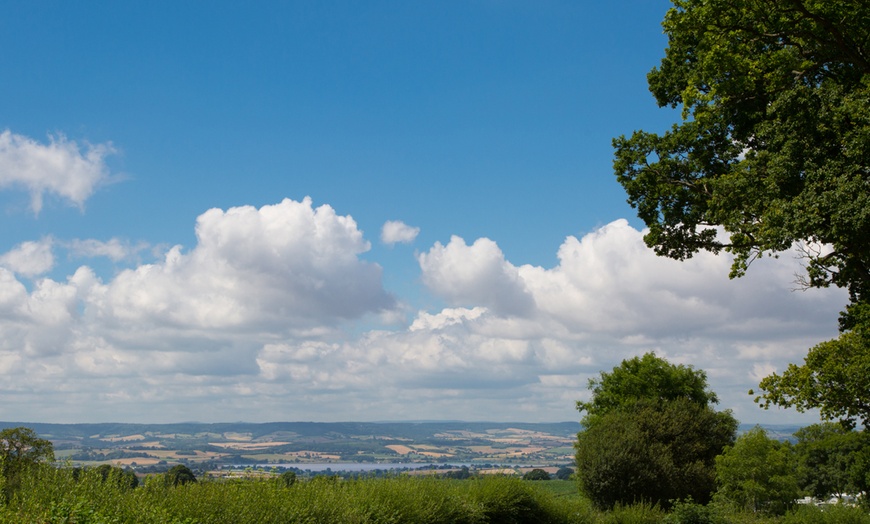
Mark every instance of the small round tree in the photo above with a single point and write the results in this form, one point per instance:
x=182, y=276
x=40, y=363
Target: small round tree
x=650, y=435
x=178, y=475
x=288, y=478
x=564, y=473
x=536, y=474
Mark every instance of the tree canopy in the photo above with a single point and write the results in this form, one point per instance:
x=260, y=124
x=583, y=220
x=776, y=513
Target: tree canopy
x=124, y=478
x=774, y=143
x=178, y=475
x=645, y=377
x=650, y=434
x=833, y=378
x=772, y=151
x=756, y=473
x=653, y=451
x=536, y=474
x=832, y=460
x=21, y=449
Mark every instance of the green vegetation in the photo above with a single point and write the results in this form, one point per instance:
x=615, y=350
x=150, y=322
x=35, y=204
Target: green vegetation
x=773, y=152
x=650, y=435
x=536, y=474
x=60, y=495
x=646, y=377
x=178, y=475
x=55, y=495
x=833, y=460
x=833, y=378
x=21, y=450
x=757, y=474
x=773, y=143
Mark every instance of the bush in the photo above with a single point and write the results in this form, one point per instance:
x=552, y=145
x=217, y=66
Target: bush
x=757, y=474
x=564, y=473
x=829, y=515
x=536, y=474
x=688, y=512
x=642, y=513
x=652, y=452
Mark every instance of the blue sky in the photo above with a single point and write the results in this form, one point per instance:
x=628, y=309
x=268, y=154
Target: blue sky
x=194, y=198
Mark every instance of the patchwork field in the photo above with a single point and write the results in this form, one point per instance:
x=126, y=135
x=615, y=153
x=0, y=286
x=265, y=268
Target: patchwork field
x=208, y=446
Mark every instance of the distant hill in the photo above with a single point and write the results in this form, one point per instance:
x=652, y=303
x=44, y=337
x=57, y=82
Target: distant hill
x=411, y=430
x=209, y=446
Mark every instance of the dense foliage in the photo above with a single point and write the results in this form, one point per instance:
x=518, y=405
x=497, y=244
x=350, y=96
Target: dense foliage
x=774, y=145
x=652, y=451
x=21, y=450
x=833, y=378
x=833, y=460
x=773, y=151
x=536, y=474
x=756, y=474
x=56, y=495
x=178, y=475
x=651, y=435
x=645, y=377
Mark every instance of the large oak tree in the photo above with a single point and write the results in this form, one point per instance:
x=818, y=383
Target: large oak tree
x=773, y=150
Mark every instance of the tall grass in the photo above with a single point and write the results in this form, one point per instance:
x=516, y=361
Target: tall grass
x=56, y=496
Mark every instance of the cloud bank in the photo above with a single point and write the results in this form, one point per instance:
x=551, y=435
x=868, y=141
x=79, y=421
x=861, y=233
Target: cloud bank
x=274, y=315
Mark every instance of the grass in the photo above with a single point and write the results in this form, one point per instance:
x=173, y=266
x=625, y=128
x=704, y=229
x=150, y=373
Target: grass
x=51, y=495
x=559, y=488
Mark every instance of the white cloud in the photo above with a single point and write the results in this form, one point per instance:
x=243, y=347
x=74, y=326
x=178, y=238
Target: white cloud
x=60, y=167
x=253, y=323
x=285, y=265
x=397, y=232
x=114, y=249
x=610, y=297
x=475, y=275
x=30, y=258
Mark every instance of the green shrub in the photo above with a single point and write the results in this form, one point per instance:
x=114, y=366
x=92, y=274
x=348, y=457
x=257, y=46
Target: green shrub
x=838, y=514
x=56, y=495
x=536, y=474
x=287, y=479
x=652, y=451
x=688, y=512
x=641, y=513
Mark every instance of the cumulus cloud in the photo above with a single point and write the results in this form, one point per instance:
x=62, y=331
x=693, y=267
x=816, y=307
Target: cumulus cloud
x=286, y=271
x=29, y=259
x=255, y=322
x=60, y=167
x=287, y=264
x=397, y=232
x=610, y=297
x=475, y=275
